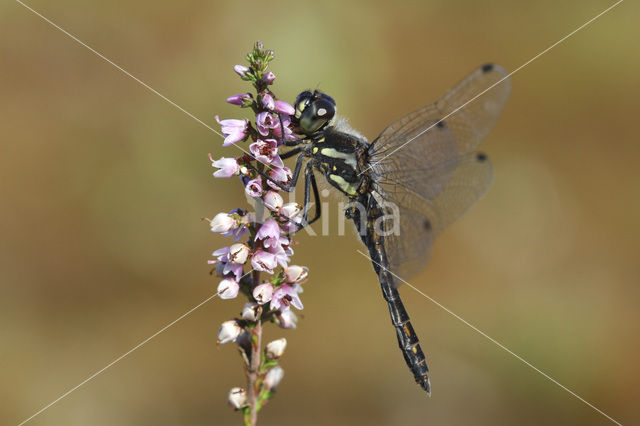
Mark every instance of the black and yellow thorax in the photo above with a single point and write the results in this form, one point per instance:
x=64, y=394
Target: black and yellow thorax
x=342, y=158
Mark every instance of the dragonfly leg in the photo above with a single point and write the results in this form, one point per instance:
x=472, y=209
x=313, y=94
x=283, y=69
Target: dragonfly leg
x=294, y=177
x=310, y=180
x=292, y=152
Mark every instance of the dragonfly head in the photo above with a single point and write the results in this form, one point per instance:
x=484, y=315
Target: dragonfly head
x=314, y=110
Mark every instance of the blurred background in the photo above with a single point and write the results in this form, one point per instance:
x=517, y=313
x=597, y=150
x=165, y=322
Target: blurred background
x=103, y=185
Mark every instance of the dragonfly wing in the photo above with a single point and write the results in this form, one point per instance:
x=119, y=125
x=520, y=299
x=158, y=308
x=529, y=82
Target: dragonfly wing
x=413, y=221
x=425, y=164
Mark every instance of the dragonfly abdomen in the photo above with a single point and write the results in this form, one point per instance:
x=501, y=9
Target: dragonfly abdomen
x=407, y=338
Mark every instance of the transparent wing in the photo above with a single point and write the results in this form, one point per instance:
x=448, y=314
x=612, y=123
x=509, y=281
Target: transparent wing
x=468, y=124
x=424, y=164
x=416, y=220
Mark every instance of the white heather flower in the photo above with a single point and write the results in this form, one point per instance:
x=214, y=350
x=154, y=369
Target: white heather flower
x=263, y=292
x=238, y=253
x=295, y=273
x=273, y=378
x=229, y=332
x=222, y=222
x=291, y=210
x=288, y=320
x=250, y=311
x=273, y=201
x=276, y=348
x=237, y=397
x=228, y=288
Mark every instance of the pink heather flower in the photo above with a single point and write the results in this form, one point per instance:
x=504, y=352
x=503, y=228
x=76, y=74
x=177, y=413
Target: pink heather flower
x=240, y=99
x=228, y=167
x=222, y=223
x=221, y=254
x=279, y=174
x=238, y=253
x=241, y=228
x=253, y=188
x=296, y=274
x=238, y=233
x=266, y=121
x=263, y=293
x=269, y=77
x=273, y=201
x=284, y=108
x=287, y=320
x=233, y=268
x=288, y=133
x=241, y=70
x=269, y=232
x=228, y=288
x=284, y=297
x=263, y=261
x=233, y=130
x=266, y=152
x=281, y=253
x=229, y=332
x=268, y=102
x=228, y=267
x=273, y=378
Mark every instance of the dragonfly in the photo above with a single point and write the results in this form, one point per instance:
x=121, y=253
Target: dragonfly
x=415, y=179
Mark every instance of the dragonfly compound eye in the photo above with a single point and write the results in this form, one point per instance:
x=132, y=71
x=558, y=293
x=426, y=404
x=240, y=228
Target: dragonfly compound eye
x=317, y=113
x=302, y=101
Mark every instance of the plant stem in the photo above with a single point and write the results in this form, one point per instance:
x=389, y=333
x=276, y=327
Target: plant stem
x=253, y=370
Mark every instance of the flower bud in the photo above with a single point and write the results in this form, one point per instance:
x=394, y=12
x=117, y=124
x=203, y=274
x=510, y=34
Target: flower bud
x=288, y=320
x=229, y=332
x=222, y=223
x=295, y=273
x=228, y=288
x=250, y=311
x=263, y=292
x=273, y=200
x=241, y=70
x=269, y=77
x=275, y=349
x=240, y=99
x=273, y=378
x=284, y=108
x=237, y=397
x=238, y=253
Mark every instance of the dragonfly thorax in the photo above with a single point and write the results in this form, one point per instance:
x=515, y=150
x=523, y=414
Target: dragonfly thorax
x=342, y=156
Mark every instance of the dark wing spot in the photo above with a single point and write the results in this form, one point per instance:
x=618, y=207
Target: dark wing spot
x=427, y=224
x=440, y=124
x=481, y=157
x=487, y=67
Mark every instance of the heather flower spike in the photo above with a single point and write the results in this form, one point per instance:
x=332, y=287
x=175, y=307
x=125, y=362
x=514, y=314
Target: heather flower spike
x=256, y=264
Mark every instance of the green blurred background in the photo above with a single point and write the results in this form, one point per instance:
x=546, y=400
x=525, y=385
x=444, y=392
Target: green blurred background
x=103, y=184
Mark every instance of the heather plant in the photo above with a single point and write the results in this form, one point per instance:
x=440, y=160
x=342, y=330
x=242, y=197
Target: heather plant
x=257, y=264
